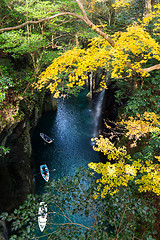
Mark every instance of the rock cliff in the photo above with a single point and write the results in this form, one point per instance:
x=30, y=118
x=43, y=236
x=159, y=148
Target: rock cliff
x=16, y=175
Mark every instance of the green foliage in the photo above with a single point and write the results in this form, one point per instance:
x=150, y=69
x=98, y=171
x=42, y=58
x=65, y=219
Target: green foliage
x=5, y=83
x=17, y=43
x=8, y=16
x=127, y=15
x=4, y=150
x=40, y=41
x=35, y=9
x=140, y=100
x=146, y=97
x=110, y=19
x=119, y=216
x=48, y=57
x=149, y=150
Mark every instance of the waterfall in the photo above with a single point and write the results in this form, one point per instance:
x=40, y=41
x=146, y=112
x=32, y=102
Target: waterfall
x=98, y=110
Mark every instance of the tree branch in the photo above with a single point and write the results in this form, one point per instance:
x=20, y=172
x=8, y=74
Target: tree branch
x=155, y=67
x=82, y=9
x=149, y=69
x=39, y=21
x=92, y=26
x=85, y=19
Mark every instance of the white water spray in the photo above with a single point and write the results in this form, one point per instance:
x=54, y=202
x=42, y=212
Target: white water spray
x=98, y=111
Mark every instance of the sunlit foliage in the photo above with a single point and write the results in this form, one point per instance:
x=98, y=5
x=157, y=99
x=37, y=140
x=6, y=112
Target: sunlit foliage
x=134, y=48
x=118, y=3
x=150, y=180
x=121, y=3
x=75, y=63
x=107, y=148
x=153, y=17
x=140, y=127
x=121, y=167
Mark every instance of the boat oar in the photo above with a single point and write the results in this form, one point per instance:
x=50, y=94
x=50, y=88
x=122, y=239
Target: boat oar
x=40, y=173
x=53, y=170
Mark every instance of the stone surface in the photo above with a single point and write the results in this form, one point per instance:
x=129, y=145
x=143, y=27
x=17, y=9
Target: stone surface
x=15, y=168
x=50, y=103
x=3, y=231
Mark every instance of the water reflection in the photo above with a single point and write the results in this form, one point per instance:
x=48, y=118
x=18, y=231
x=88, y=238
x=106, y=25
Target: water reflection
x=72, y=129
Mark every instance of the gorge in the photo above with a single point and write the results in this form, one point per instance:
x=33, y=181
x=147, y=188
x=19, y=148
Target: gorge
x=72, y=125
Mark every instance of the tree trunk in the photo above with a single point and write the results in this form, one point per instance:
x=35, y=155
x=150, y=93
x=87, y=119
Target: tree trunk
x=91, y=83
x=84, y=18
x=148, y=8
x=76, y=39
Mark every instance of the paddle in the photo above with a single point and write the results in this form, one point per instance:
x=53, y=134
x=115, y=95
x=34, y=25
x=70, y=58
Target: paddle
x=40, y=172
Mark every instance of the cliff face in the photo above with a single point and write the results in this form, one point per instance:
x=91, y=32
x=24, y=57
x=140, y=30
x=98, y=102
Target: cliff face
x=3, y=231
x=15, y=172
x=16, y=178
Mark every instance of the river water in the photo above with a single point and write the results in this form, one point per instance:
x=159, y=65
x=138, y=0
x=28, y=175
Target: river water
x=72, y=127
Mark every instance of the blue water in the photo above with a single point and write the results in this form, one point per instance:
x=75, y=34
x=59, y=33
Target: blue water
x=72, y=127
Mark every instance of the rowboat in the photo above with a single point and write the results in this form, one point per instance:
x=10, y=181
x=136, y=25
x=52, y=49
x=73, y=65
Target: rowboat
x=44, y=172
x=42, y=216
x=46, y=138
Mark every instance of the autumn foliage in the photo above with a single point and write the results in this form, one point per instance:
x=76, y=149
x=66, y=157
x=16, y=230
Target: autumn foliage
x=132, y=50
x=122, y=56
x=120, y=167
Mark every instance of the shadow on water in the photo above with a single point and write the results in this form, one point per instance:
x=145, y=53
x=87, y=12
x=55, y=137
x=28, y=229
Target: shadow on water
x=72, y=127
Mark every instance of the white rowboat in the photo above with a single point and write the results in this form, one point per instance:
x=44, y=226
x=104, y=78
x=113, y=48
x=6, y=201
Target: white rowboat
x=42, y=216
x=46, y=138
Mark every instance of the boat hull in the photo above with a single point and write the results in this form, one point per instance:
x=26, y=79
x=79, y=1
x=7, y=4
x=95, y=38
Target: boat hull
x=42, y=216
x=46, y=138
x=44, y=172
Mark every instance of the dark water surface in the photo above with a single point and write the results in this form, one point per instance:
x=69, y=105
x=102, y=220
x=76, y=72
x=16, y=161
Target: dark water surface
x=72, y=127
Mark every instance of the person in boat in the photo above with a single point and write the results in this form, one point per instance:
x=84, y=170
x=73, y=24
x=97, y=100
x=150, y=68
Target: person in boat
x=43, y=213
x=47, y=138
x=44, y=171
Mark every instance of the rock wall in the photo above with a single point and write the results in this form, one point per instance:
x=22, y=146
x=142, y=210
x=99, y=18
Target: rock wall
x=16, y=177
x=3, y=231
x=109, y=115
x=15, y=168
x=50, y=103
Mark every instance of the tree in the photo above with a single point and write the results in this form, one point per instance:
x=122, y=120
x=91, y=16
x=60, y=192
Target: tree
x=120, y=167
x=127, y=51
x=129, y=54
x=132, y=56
x=26, y=51
x=83, y=18
x=111, y=218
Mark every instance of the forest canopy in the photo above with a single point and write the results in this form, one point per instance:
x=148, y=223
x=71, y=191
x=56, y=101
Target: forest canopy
x=62, y=45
